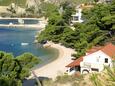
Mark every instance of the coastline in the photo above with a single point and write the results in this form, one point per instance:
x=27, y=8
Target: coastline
x=35, y=26
x=56, y=67
x=53, y=58
x=40, y=25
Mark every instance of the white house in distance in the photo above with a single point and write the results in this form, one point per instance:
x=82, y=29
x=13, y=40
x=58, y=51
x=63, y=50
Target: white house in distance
x=104, y=1
x=95, y=60
x=77, y=18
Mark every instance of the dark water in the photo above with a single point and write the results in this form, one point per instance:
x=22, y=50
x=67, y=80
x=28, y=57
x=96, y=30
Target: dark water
x=11, y=39
x=15, y=21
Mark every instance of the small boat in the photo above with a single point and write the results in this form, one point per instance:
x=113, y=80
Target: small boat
x=35, y=41
x=24, y=44
x=36, y=36
x=10, y=23
x=46, y=45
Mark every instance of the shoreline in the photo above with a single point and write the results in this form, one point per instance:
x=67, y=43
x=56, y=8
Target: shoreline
x=56, y=67
x=35, y=26
x=41, y=64
x=40, y=25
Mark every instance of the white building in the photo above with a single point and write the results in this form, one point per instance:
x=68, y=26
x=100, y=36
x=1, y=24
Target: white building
x=77, y=18
x=104, y=1
x=95, y=60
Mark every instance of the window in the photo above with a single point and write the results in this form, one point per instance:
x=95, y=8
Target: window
x=71, y=69
x=75, y=18
x=95, y=69
x=106, y=60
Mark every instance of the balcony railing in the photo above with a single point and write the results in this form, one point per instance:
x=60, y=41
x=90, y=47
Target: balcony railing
x=90, y=65
x=85, y=64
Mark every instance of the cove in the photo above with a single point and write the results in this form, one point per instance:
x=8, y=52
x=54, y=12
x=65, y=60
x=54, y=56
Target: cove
x=11, y=40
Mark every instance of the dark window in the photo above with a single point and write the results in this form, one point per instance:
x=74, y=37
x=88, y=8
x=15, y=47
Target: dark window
x=106, y=60
x=95, y=69
x=77, y=68
x=71, y=69
x=75, y=18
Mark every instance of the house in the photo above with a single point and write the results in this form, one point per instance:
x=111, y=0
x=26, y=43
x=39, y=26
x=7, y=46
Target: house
x=94, y=60
x=74, y=66
x=77, y=18
x=104, y=1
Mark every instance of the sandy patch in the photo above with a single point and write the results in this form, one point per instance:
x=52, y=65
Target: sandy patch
x=56, y=67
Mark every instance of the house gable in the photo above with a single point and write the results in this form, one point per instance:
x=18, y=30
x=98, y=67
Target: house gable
x=109, y=49
x=96, y=57
x=75, y=63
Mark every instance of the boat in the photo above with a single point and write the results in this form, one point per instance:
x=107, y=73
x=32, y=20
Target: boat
x=10, y=23
x=35, y=41
x=24, y=44
x=46, y=45
x=35, y=36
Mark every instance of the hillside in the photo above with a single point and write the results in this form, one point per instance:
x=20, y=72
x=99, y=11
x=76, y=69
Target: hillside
x=8, y=2
x=72, y=1
x=105, y=78
x=97, y=29
x=22, y=2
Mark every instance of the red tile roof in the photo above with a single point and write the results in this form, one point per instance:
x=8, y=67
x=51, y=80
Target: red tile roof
x=109, y=49
x=94, y=49
x=76, y=62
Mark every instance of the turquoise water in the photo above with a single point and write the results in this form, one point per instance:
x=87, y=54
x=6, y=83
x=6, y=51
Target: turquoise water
x=11, y=39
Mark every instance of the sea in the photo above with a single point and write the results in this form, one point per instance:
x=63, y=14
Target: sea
x=20, y=40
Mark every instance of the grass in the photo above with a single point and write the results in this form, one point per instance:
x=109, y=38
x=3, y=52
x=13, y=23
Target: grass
x=8, y=2
x=106, y=78
x=64, y=80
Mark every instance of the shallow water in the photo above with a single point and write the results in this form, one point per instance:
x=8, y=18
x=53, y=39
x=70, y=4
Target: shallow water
x=11, y=40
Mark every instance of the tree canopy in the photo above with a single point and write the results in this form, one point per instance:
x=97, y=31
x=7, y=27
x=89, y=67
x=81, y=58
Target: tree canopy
x=14, y=70
x=98, y=27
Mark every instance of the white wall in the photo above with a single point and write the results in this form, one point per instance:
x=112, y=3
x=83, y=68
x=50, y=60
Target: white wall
x=70, y=72
x=97, y=57
x=96, y=60
x=79, y=15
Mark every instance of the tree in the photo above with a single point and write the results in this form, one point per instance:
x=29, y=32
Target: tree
x=67, y=11
x=14, y=70
x=96, y=0
x=98, y=27
x=49, y=9
x=107, y=78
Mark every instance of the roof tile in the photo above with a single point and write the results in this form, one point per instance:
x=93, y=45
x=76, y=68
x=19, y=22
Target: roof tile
x=76, y=62
x=109, y=49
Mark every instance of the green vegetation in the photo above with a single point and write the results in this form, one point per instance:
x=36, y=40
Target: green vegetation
x=98, y=28
x=57, y=22
x=49, y=9
x=73, y=2
x=106, y=78
x=80, y=1
x=8, y=2
x=14, y=70
x=65, y=80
